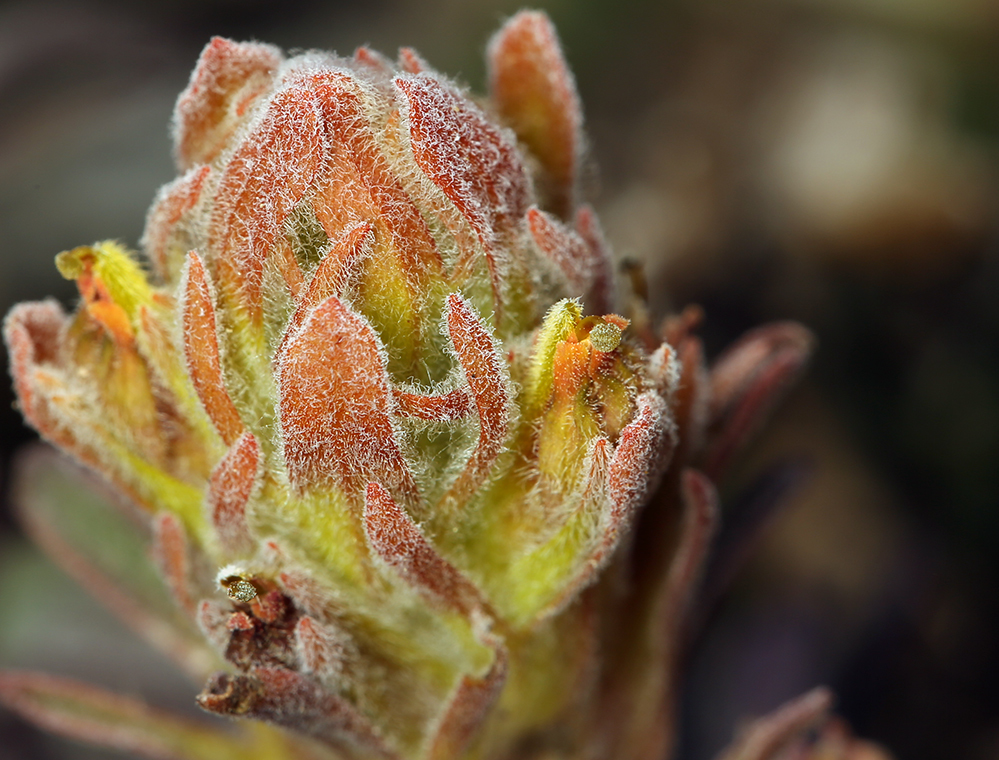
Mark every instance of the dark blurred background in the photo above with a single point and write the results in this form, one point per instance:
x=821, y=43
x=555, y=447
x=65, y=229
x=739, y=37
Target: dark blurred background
x=830, y=161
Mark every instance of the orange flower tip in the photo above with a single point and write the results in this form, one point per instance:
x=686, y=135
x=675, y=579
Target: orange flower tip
x=486, y=376
x=569, y=368
x=411, y=62
x=321, y=648
x=373, y=60
x=642, y=453
x=397, y=540
x=562, y=247
x=335, y=394
x=113, y=285
x=228, y=78
x=174, y=202
x=467, y=157
x=201, y=349
x=534, y=91
x=229, y=489
x=560, y=325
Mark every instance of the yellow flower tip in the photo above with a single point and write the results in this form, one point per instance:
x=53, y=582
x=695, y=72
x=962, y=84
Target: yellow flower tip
x=71, y=263
x=108, y=276
x=113, y=286
x=590, y=393
x=123, y=277
x=560, y=322
x=584, y=389
x=572, y=352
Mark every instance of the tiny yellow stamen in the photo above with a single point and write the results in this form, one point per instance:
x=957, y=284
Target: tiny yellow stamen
x=239, y=589
x=605, y=337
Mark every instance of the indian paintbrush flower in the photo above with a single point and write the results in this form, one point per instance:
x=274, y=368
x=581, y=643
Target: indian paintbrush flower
x=391, y=439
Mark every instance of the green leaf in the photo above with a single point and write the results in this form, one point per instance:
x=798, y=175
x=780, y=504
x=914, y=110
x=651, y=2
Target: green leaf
x=106, y=550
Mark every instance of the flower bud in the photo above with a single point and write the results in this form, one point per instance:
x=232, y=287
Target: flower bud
x=374, y=388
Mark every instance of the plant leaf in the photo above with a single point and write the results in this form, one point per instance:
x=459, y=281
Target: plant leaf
x=765, y=737
x=93, y=715
x=78, y=525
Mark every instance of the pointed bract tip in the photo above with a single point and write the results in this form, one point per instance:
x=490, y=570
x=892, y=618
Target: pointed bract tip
x=227, y=80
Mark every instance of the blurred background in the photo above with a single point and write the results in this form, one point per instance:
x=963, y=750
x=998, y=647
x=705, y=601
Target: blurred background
x=830, y=161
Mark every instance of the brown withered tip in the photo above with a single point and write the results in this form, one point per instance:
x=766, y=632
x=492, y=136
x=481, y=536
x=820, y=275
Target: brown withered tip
x=225, y=694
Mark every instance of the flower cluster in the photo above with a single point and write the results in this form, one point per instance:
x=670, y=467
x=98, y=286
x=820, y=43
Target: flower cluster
x=392, y=442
